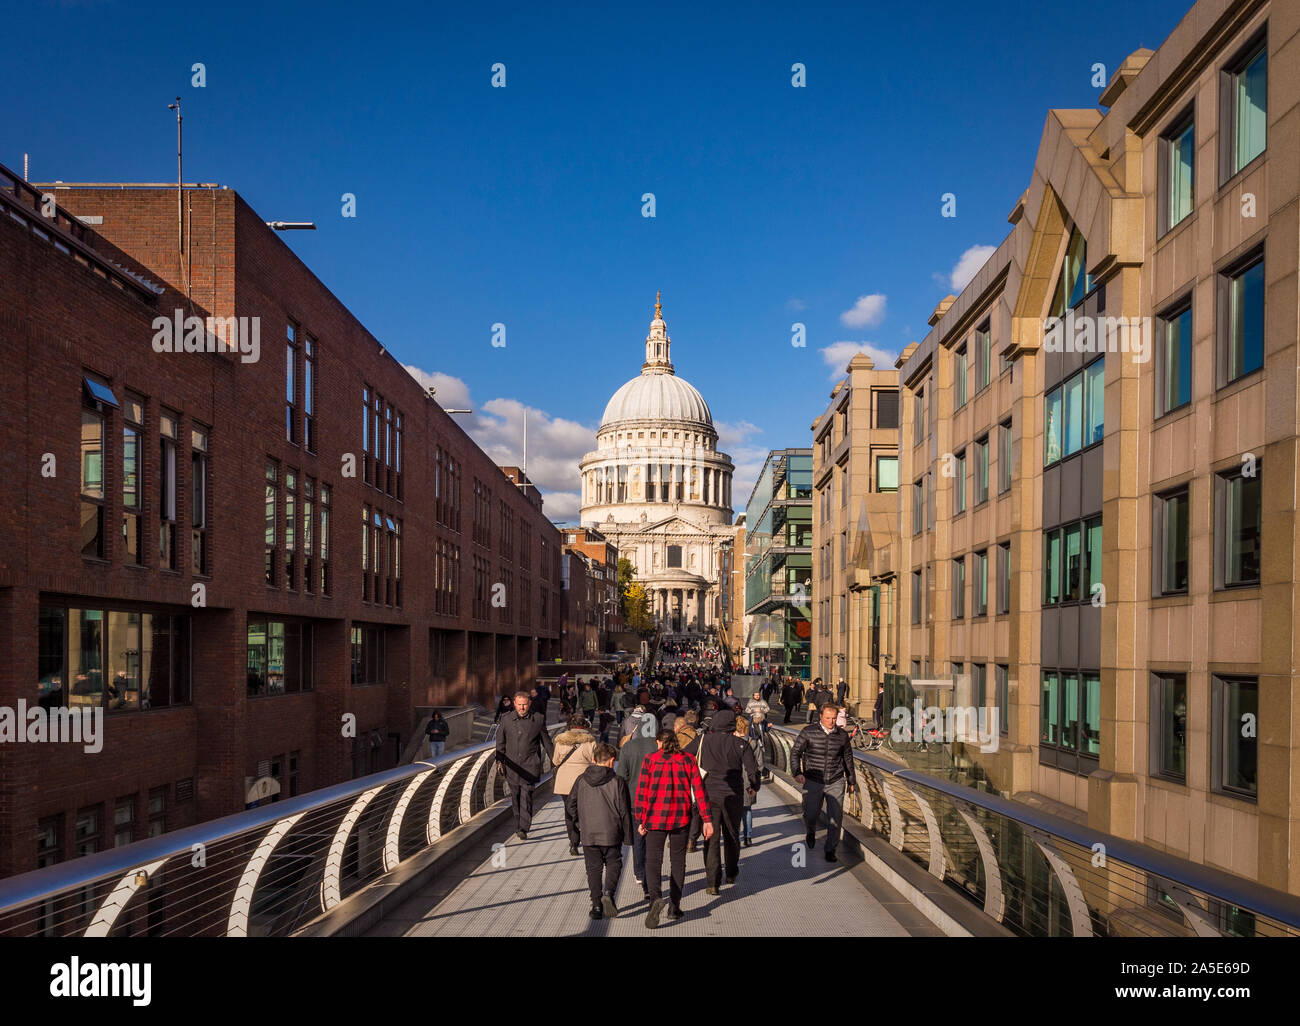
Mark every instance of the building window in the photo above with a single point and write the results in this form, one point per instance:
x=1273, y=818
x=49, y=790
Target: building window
x=199, y=499
x=959, y=483
x=1176, y=173
x=1244, y=106
x=1072, y=567
x=1238, y=528
x=1174, y=360
x=124, y=821
x=1074, y=282
x=121, y=660
x=1070, y=711
x=1051, y=568
x=918, y=415
x=290, y=386
x=959, y=379
x=674, y=555
x=1169, y=725
x=167, y=490
x=918, y=506
x=368, y=663
x=886, y=473
x=1094, y=392
x=981, y=470
x=1049, y=708
x=1075, y=413
x=1004, y=578
x=1235, y=729
x=308, y=525
x=157, y=811
x=980, y=585
x=916, y=597
x=309, y=394
x=959, y=588
x=271, y=490
x=844, y=550
x=95, y=402
x=367, y=471
x=1052, y=427
x=133, y=480
x=1241, y=301
x=979, y=685
x=983, y=357
x=1002, y=678
x=1004, y=457
x=279, y=657
x=1092, y=558
x=325, y=539
x=291, y=528
x=887, y=409
x=1171, y=542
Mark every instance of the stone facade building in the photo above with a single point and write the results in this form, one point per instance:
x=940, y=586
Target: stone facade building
x=1100, y=440
x=854, y=526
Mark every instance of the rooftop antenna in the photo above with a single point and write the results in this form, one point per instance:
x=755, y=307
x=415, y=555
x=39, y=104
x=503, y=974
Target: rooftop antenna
x=180, y=218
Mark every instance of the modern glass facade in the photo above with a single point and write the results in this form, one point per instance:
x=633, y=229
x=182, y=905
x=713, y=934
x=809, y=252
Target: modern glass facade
x=778, y=563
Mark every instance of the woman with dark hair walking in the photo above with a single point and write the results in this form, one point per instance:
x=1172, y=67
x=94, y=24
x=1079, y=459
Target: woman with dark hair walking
x=670, y=784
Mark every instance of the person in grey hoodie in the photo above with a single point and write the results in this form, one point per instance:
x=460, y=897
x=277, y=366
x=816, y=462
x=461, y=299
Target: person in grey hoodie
x=605, y=820
x=637, y=745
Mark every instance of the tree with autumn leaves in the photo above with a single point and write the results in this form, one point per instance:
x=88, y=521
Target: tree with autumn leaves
x=634, y=600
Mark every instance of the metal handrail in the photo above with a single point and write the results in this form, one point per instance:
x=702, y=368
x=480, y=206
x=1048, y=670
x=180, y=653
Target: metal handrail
x=302, y=845
x=1174, y=876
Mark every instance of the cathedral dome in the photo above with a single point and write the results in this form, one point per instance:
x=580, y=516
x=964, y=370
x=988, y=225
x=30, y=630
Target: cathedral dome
x=658, y=397
x=658, y=394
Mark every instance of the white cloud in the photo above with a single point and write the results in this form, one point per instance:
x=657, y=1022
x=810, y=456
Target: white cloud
x=968, y=265
x=867, y=312
x=838, y=354
x=555, y=445
x=795, y=305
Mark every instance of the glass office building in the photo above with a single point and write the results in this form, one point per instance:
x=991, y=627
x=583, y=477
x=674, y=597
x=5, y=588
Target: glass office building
x=778, y=564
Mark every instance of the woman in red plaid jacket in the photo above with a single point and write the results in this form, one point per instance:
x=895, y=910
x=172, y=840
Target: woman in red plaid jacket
x=670, y=782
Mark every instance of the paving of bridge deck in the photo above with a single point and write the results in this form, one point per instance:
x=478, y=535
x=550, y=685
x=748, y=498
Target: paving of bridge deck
x=541, y=891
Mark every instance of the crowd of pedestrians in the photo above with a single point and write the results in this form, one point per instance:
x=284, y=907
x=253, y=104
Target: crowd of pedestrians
x=669, y=762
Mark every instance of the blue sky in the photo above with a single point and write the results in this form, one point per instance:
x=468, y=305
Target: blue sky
x=523, y=205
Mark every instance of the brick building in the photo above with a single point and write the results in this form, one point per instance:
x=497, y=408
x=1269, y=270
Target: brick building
x=178, y=554
x=591, y=607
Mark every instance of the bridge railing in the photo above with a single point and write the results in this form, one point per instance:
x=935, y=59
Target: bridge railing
x=263, y=872
x=1041, y=875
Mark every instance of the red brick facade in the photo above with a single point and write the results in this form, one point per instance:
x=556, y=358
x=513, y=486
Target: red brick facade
x=67, y=315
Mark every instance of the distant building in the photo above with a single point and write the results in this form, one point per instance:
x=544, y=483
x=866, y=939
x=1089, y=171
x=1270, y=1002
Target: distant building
x=591, y=603
x=658, y=487
x=854, y=527
x=778, y=564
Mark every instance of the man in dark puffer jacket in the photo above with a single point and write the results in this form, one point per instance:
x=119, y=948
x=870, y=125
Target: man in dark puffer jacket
x=822, y=761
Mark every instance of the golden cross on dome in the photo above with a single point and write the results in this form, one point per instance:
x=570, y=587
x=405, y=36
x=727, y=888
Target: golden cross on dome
x=658, y=306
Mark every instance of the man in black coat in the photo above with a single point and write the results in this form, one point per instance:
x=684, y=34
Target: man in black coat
x=521, y=739
x=818, y=696
x=822, y=763
x=880, y=707
x=730, y=770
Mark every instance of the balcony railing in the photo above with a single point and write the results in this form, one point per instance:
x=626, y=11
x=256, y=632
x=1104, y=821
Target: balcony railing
x=1044, y=876
x=267, y=871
